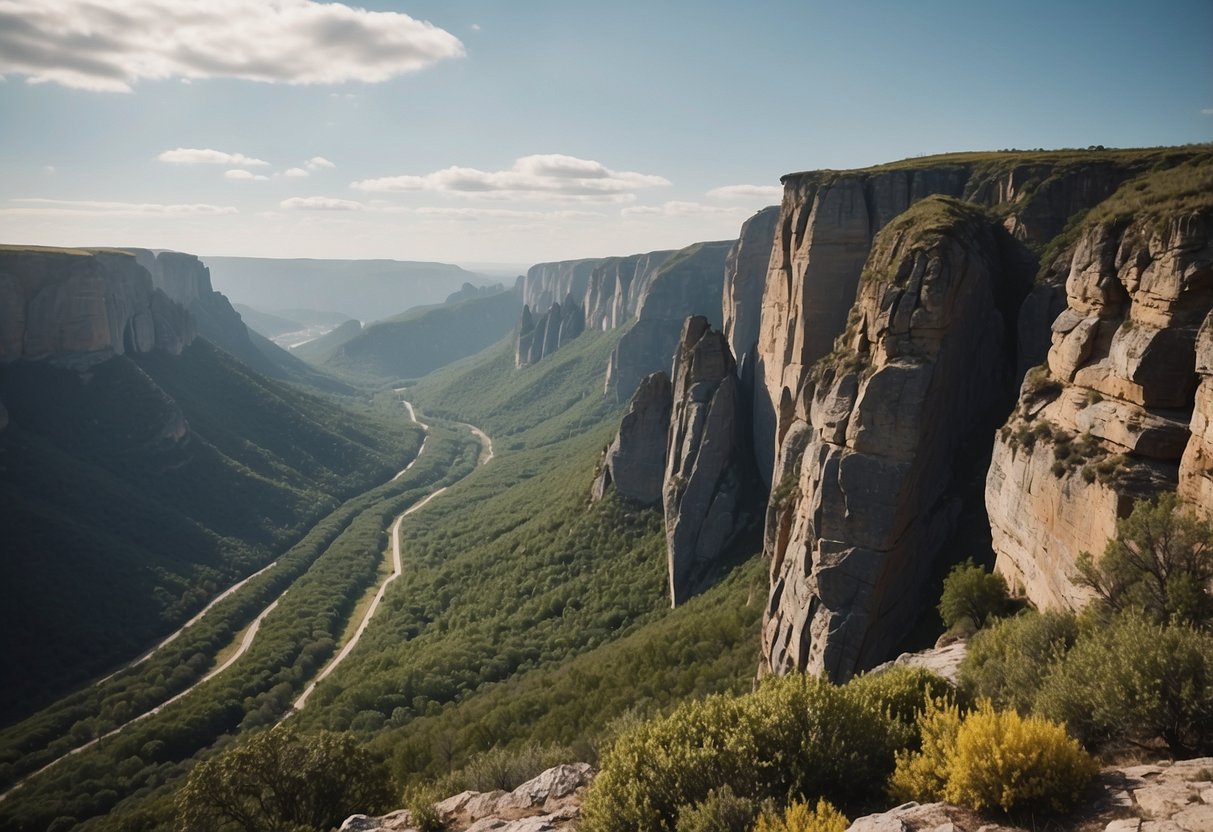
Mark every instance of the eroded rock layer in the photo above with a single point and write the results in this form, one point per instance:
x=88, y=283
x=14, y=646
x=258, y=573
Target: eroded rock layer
x=863, y=501
x=1120, y=411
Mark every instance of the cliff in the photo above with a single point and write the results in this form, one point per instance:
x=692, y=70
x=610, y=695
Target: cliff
x=803, y=417
x=81, y=306
x=1121, y=410
x=542, y=336
x=635, y=461
x=709, y=488
x=690, y=282
x=866, y=501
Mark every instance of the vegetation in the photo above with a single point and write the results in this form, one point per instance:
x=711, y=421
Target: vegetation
x=720, y=811
x=994, y=759
x=799, y=816
x=281, y=780
x=1160, y=563
x=1008, y=662
x=185, y=514
x=971, y=593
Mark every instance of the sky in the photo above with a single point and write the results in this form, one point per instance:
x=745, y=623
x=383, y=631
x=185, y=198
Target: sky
x=492, y=132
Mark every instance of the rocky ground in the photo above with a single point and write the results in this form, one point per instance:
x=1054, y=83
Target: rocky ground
x=1158, y=797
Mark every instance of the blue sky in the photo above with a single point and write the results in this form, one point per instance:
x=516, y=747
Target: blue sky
x=517, y=132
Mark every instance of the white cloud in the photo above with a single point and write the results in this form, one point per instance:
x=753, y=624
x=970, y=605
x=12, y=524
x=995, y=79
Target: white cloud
x=675, y=209
x=295, y=172
x=475, y=27
x=317, y=162
x=244, y=175
x=539, y=176
x=1207, y=111
x=206, y=156
x=503, y=213
x=71, y=207
x=320, y=203
x=768, y=192
x=51, y=170
x=108, y=46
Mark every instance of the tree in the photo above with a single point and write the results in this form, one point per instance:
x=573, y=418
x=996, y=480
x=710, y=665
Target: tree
x=281, y=781
x=973, y=593
x=1161, y=562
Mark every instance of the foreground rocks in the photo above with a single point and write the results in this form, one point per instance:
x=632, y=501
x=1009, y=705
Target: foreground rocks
x=551, y=801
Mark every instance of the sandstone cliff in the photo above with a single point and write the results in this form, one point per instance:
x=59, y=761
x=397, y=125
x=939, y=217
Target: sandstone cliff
x=635, y=461
x=688, y=283
x=824, y=235
x=1121, y=410
x=864, y=501
x=709, y=488
x=78, y=306
x=552, y=330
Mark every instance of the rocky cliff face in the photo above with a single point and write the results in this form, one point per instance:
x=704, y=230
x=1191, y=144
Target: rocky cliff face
x=709, y=486
x=1120, y=411
x=823, y=237
x=745, y=277
x=635, y=462
x=76, y=306
x=865, y=500
x=552, y=330
x=688, y=283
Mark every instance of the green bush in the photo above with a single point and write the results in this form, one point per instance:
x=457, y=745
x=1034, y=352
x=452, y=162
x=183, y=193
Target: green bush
x=722, y=811
x=903, y=694
x=993, y=759
x=1008, y=662
x=970, y=592
x=800, y=817
x=508, y=768
x=1133, y=680
x=422, y=803
x=1161, y=562
x=795, y=737
x=281, y=779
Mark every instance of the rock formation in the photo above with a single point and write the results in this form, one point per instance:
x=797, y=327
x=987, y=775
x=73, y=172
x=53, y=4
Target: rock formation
x=635, y=462
x=689, y=283
x=77, y=306
x=537, y=338
x=709, y=485
x=1120, y=411
x=858, y=517
x=1196, y=467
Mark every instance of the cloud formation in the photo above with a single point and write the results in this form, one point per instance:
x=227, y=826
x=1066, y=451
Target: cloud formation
x=320, y=203
x=552, y=176
x=108, y=45
x=295, y=172
x=770, y=192
x=245, y=175
x=317, y=162
x=206, y=156
x=503, y=213
x=77, y=207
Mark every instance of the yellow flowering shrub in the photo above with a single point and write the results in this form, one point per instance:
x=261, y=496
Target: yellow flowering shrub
x=800, y=817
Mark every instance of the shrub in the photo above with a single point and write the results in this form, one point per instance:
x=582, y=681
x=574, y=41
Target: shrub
x=796, y=736
x=422, y=803
x=1161, y=562
x=1134, y=680
x=991, y=759
x=921, y=776
x=800, y=817
x=903, y=694
x=508, y=768
x=971, y=592
x=1012, y=762
x=1008, y=662
x=722, y=811
x=279, y=779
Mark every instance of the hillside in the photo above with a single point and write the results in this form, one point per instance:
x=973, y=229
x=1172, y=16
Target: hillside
x=137, y=484
x=421, y=340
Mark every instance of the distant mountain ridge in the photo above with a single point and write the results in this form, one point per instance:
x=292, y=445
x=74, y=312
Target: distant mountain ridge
x=364, y=289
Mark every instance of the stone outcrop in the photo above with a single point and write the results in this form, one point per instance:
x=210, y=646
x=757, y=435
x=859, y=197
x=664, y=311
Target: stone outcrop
x=548, y=802
x=617, y=286
x=709, y=486
x=635, y=461
x=77, y=306
x=1120, y=411
x=865, y=496
x=542, y=336
x=548, y=283
x=688, y=283
x=1196, y=466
